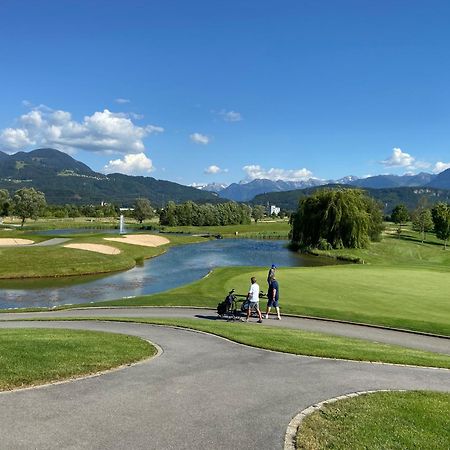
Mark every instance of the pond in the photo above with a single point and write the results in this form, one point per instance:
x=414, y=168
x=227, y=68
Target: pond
x=178, y=266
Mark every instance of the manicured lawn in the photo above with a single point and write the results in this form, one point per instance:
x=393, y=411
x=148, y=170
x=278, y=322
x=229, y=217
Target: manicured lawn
x=33, y=262
x=378, y=421
x=416, y=299
x=264, y=229
x=299, y=342
x=408, y=251
x=36, y=356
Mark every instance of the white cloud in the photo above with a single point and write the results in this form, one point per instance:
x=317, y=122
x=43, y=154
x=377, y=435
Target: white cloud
x=399, y=159
x=440, y=167
x=199, y=138
x=15, y=138
x=254, y=172
x=137, y=164
x=231, y=116
x=103, y=131
x=213, y=169
x=122, y=101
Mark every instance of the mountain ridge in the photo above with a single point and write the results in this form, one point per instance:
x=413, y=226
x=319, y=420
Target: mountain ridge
x=66, y=180
x=246, y=191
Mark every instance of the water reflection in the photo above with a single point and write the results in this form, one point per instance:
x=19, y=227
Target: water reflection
x=180, y=265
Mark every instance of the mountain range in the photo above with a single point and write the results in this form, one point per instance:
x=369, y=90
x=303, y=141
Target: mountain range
x=246, y=191
x=66, y=180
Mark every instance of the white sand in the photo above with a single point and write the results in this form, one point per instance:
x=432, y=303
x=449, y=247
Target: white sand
x=98, y=248
x=146, y=240
x=11, y=242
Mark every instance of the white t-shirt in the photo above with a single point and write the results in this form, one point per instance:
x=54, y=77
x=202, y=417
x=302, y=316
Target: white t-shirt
x=254, y=292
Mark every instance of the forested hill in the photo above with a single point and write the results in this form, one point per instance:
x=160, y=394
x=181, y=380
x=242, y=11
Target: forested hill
x=389, y=197
x=442, y=180
x=66, y=180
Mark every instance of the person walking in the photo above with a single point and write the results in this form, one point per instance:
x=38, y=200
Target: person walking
x=253, y=299
x=273, y=297
x=270, y=275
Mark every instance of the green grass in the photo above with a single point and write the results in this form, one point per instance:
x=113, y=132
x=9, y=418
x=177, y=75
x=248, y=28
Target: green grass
x=299, y=342
x=277, y=229
x=35, y=356
x=408, y=251
x=58, y=261
x=380, y=421
x=415, y=299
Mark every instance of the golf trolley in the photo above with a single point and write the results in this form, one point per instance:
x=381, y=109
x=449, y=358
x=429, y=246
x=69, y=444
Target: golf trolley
x=230, y=309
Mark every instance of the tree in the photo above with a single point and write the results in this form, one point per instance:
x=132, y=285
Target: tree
x=422, y=221
x=168, y=215
x=400, y=216
x=336, y=218
x=441, y=220
x=258, y=212
x=28, y=203
x=5, y=202
x=142, y=209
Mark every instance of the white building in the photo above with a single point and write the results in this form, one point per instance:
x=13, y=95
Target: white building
x=273, y=209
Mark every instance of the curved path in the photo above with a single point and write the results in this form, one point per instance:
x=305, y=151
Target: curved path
x=386, y=336
x=202, y=392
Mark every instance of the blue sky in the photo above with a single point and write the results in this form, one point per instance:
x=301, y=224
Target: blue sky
x=220, y=91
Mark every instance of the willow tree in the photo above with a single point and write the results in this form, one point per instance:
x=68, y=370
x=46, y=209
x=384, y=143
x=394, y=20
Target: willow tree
x=341, y=218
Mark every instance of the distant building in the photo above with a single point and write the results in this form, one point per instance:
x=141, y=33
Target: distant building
x=273, y=209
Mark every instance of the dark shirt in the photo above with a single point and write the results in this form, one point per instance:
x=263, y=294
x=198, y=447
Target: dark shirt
x=273, y=286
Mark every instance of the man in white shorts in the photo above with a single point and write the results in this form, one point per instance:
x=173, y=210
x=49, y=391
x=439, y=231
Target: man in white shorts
x=253, y=298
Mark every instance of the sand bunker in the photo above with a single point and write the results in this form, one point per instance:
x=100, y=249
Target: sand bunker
x=98, y=248
x=10, y=242
x=146, y=240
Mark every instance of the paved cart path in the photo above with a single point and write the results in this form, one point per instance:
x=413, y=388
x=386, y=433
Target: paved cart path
x=202, y=392
x=411, y=340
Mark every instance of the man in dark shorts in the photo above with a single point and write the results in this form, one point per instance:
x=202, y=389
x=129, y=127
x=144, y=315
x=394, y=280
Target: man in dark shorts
x=271, y=274
x=273, y=296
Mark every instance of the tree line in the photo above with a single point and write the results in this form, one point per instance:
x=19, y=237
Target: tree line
x=425, y=219
x=29, y=203
x=189, y=213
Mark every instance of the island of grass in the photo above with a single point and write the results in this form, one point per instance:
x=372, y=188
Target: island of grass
x=381, y=420
x=29, y=357
x=60, y=261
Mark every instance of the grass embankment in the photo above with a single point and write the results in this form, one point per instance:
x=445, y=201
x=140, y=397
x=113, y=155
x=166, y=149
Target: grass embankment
x=382, y=420
x=274, y=229
x=58, y=261
x=298, y=342
x=36, y=356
